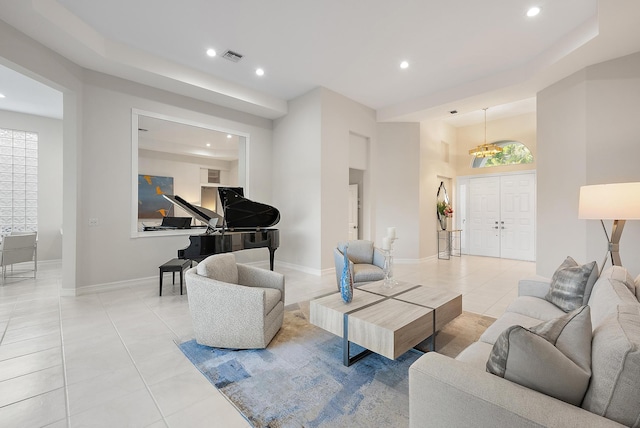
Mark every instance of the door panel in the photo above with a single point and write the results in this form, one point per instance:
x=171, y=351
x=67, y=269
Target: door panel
x=502, y=216
x=353, y=212
x=484, y=216
x=518, y=215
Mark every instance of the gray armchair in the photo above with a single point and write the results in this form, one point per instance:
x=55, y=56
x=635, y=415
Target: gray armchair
x=366, y=262
x=18, y=248
x=234, y=305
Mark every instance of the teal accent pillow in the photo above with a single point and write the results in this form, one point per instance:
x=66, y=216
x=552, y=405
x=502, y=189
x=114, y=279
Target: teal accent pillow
x=571, y=284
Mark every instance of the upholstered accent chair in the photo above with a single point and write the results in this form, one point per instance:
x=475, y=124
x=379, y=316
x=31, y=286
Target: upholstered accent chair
x=366, y=262
x=234, y=305
x=18, y=248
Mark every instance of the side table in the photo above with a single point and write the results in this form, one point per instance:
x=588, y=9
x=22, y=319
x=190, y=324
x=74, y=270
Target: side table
x=448, y=243
x=173, y=266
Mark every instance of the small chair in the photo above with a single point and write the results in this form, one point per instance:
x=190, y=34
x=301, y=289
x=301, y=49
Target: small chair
x=366, y=262
x=18, y=248
x=234, y=305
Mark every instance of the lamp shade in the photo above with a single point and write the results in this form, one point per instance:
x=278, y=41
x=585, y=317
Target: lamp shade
x=619, y=201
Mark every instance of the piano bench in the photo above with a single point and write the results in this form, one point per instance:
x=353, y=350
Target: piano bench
x=173, y=266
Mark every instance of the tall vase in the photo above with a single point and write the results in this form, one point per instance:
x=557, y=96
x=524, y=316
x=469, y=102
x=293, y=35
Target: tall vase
x=443, y=222
x=346, y=281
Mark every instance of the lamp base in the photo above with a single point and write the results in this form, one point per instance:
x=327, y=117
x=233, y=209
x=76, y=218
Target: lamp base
x=613, y=247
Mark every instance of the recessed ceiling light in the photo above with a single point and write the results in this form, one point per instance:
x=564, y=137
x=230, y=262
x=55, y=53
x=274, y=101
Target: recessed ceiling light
x=259, y=72
x=404, y=64
x=533, y=11
x=229, y=135
x=211, y=52
x=208, y=144
x=2, y=96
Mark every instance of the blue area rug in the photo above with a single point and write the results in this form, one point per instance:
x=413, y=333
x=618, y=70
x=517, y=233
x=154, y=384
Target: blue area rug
x=300, y=381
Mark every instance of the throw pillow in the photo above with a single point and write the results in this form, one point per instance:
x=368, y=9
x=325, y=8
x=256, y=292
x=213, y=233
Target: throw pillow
x=621, y=274
x=221, y=267
x=571, y=284
x=553, y=358
x=637, y=281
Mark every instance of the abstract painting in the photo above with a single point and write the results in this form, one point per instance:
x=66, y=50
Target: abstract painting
x=151, y=204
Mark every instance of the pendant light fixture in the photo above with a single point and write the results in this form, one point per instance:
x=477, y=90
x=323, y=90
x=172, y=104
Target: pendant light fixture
x=485, y=150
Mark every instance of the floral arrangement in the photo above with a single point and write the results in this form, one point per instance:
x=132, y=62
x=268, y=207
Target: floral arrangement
x=444, y=209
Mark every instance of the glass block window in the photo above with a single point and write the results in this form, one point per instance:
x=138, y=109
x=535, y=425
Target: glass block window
x=18, y=181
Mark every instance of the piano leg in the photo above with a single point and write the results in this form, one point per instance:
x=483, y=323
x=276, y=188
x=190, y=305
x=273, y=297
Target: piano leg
x=272, y=252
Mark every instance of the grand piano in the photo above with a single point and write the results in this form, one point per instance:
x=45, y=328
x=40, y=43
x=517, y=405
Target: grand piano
x=244, y=225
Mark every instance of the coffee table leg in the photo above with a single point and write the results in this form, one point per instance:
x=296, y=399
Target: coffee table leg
x=347, y=359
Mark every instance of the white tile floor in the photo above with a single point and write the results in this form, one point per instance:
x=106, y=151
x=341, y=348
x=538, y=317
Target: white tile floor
x=109, y=359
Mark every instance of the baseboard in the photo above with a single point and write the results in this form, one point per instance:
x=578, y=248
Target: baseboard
x=304, y=269
x=50, y=262
x=109, y=286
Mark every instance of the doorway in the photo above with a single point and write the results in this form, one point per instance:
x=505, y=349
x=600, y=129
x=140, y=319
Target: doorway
x=356, y=192
x=500, y=215
x=353, y=212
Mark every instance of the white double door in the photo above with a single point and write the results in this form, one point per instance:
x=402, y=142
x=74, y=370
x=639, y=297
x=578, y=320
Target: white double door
x=501, y=216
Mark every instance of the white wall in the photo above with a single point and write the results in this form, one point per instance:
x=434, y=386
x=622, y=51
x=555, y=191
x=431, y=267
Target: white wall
x=397, y=187
x=296, y=181
x=49, y=178
x=26, y=56
x=107, y=252
x=342, y=117
x=433, y=167
x=520, y=128
x=587, y=134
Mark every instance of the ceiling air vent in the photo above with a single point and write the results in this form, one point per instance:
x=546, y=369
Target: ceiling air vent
x=232, y=56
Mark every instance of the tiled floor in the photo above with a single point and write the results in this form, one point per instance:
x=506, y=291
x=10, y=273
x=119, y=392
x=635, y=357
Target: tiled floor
x=109, y=359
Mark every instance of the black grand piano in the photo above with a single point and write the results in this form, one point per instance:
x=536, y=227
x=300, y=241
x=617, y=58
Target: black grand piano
x=244, y=225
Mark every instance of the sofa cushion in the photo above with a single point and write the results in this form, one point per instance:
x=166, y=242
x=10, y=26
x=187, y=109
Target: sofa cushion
x=221, y=267
x=571, y=284
x=614, y=391
x=476, y=354
x=607, y=295
x=359, y=251
x=535, y=308
x=507, y=320
x=552, y=358
x=271, y=298
x=621, y=274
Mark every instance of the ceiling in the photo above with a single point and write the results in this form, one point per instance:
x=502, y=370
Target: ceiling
x=169, y=136
x=25, y=95
x=462, y=55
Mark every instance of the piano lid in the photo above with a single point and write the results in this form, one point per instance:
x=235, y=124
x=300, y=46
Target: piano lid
x=242, y=213
x=205, y=215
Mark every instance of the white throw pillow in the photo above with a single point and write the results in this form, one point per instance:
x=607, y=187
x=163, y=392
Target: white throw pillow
x=553, y=358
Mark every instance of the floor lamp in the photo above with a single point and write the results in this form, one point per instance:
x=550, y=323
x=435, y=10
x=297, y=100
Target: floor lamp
x=618, y=202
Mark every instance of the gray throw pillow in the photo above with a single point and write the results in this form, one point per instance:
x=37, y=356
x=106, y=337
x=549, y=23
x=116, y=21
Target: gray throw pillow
x=571, y=284
x=553, y=358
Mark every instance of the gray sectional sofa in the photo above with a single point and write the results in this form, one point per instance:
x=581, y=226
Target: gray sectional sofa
x=446, y=392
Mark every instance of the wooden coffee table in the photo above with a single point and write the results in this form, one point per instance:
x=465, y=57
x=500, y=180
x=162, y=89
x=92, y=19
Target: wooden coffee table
x=387, y=321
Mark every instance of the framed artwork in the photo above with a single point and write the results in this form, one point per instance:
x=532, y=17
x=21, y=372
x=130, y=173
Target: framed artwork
x=151, y=204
